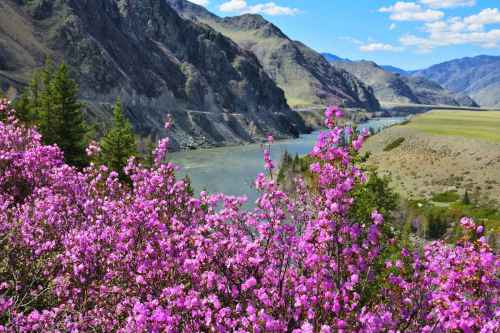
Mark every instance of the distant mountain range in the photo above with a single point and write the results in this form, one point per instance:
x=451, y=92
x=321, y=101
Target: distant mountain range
x=393, y=87
x=478, y=77
x=333, y=57
x=395, y=70
x=305, y=76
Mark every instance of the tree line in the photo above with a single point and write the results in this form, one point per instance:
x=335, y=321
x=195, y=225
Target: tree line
x=50, y=102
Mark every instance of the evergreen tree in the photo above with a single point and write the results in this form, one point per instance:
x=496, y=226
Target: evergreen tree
x=51, y=102
x=29, y=105
x=466, y=199
x=60, y=116
x=119, y=143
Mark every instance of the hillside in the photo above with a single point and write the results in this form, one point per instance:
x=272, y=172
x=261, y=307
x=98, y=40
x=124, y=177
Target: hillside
x=441, y=151
x=157, y=62
x=305, y=76
x=394, y=88
x=478, y=77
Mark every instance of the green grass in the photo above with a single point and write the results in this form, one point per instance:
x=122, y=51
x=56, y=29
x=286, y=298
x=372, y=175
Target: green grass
x=484, y=125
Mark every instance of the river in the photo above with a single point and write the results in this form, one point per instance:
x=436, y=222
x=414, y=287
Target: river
x=232, y=170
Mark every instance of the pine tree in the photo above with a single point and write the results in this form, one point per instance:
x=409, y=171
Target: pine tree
x=60, y=116
x=29, y=105
x=119, y=143
x=466, y=199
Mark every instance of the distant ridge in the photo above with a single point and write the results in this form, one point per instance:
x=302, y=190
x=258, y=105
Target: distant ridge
x=332, y=57
x=478, y=77
x=396, y=88
x=395, y=70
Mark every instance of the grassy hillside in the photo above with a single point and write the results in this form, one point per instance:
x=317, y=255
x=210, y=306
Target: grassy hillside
x=442, y=151
x=466, y=124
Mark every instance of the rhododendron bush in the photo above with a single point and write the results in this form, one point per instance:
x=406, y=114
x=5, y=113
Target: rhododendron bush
x=81, y=251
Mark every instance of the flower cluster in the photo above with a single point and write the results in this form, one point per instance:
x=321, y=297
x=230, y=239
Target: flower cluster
x=81, y=251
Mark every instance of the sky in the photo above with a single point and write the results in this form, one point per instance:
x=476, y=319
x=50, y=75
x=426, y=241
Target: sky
x=406, y=34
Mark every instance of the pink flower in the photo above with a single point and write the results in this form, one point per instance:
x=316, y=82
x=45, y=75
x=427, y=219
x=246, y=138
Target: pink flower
x=249, y=284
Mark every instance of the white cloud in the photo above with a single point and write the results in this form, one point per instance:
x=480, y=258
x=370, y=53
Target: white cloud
x=375, y=47
x=486, y=16
x=201, y=2
x=459, y=31
x=411, y=11
x=392, y=26
x=438, y=4
x=233, y=6
x=269, y=8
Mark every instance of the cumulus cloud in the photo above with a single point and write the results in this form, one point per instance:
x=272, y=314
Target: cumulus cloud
x=485, y=17
x=269, y=8
x=376, y=47
x=438, y=4
x=459, y=31
x=233, y=6
x=411, y=11
x=201, y=2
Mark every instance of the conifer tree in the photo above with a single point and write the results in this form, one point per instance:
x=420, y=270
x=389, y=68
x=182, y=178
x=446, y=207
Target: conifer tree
x=29, y=105
x=466, y=199
x=119, y=143
x=60, y=116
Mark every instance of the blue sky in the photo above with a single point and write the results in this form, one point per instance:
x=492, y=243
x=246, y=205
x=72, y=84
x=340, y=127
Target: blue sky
x=408, y=34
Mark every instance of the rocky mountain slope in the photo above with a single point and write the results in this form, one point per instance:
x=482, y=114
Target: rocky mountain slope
x=305, y=75
x=156, y=61
x=478, y=77
x=394, y=88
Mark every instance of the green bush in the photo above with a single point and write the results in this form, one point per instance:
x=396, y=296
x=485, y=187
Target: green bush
x=394, y=144
x=445, y=197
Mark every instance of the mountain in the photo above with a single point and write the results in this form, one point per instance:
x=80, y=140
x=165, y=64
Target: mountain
x=394, y=88
x=478, y=77
x=332, y=57
x=395, y=70
x=431, y=93
x=388, y=87
x=156, y=61
x=305, y=76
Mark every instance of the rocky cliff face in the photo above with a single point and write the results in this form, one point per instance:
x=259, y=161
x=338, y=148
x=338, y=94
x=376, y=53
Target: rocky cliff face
x=394, y=88
x=305, y=75
x=156, y=61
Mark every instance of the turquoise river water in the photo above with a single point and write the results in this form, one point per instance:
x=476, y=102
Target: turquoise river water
x=232, y=170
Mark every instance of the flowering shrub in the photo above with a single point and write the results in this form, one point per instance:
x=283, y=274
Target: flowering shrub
x=81, y=251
